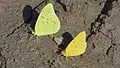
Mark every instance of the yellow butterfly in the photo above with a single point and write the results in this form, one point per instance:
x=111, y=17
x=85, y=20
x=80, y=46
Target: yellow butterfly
x=77, y=46
x=47, y=22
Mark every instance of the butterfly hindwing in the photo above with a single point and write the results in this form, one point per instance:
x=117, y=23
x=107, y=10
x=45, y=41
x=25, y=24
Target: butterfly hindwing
x=47, y=22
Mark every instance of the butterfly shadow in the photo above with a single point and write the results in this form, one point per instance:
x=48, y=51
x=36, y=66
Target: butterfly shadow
x=30, y=15
x=67, y=38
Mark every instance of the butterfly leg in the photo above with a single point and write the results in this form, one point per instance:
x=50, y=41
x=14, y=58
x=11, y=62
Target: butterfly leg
x=72, y=58
x=30, y=37
x=37, y=39
x=67, y=60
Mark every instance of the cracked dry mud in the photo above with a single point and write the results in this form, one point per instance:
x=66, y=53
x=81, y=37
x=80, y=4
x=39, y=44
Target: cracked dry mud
x=99, y=18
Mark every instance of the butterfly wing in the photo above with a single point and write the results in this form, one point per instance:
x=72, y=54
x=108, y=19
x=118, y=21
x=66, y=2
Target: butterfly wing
x=77, y=46
x=47, y=22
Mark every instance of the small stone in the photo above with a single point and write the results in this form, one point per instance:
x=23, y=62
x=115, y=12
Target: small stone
x=58, y=40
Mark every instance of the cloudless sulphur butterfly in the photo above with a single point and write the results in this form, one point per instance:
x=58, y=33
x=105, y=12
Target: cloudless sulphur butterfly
x=77, y=46
x=47, y=22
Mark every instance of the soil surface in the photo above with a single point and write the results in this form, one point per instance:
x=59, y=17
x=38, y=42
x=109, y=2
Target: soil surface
x=99, y=18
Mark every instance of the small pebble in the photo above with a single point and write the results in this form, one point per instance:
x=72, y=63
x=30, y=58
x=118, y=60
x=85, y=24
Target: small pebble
x=58, y=40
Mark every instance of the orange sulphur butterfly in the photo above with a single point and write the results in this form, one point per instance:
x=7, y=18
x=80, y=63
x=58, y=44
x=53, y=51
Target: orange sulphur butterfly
x=47, y=22
x=77, y=46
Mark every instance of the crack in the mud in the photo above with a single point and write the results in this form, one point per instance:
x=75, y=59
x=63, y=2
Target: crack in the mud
x=112, y=41
x=26, y=21
x=97, y=24
x=63, y=5
x=30, y=17
x=15, y=30
x=38, y=5
x=109, y=48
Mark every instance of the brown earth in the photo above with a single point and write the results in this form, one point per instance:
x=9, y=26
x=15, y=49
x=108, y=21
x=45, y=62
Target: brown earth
x=99, y=18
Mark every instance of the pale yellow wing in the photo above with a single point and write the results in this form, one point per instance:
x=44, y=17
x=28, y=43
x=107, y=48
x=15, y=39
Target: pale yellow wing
x=77, y=46
x=47, y=22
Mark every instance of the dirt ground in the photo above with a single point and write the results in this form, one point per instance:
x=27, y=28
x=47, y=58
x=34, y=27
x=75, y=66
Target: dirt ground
x=99, y=18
